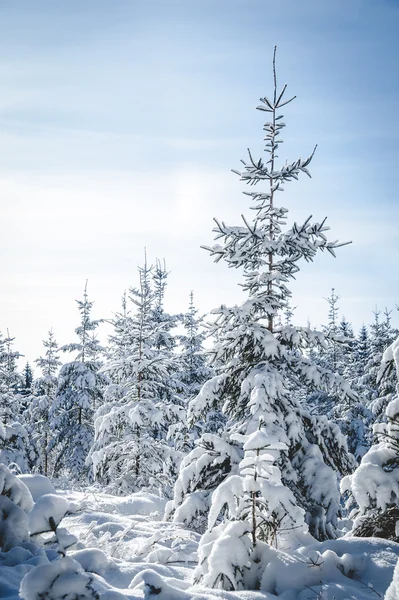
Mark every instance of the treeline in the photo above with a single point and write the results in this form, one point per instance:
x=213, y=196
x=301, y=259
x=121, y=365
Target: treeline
x=119, y=414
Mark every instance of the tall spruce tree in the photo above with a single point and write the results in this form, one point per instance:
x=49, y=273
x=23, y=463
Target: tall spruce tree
x=258, y=367
x=79, y=393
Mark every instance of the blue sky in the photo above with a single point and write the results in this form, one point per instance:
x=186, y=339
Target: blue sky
x=120, y=123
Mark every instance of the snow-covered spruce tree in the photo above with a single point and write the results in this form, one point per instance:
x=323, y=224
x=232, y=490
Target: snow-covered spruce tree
x=350, y=414
x=257, y=507
x=10, y=380
x=16, y=447
x=332, y=353
x=259, y=366
x=195, y=369
x=27, y=381
x=382, y=386
x=37, y=414
x=79, y=393
x=131, y=448
x=331, y=357
x=355, y=418
x=171, y=393
x=373, y=489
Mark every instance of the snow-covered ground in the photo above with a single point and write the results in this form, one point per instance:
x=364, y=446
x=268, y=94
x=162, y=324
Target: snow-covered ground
x=127, y=550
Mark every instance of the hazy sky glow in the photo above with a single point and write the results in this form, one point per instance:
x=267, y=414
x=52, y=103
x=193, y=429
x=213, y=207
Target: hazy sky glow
x=120, y=123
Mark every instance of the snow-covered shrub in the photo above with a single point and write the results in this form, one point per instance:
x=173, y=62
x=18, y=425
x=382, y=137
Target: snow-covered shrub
x=46, y=515
x=16, y=447
x=15, y=504
x=45, y=575
x=62, y=579
x=48, y=512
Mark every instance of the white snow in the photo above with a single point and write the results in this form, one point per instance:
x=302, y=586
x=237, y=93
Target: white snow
x=38, y=485
x=126, y=555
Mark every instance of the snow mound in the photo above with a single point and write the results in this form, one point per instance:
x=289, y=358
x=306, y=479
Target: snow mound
x=358, y=568
x=38, y=485
x=393, y=590
x=64, y=579
x=92, y=560
x=135, y=504
x=48, y=512
x=157, y=588
x=14, y=565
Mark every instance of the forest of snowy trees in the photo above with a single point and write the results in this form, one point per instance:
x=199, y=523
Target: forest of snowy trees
x=267, y=440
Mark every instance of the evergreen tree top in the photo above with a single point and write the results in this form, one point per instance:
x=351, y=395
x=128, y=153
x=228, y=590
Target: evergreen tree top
x=266, y=251
x=50, y=362
x=88, y=346
x=9, y=376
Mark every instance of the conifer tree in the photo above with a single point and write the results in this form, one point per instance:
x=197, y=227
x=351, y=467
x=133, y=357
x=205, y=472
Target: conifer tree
x=37, y=414
x=373, y=492
x=331, y=355
x=15, y=445
x=355, y=418
x=26, y=387
x=382, y=389
x=10, y=380
x=195, y=370
x=259, y=365
x=79, y=393
x=131, y=448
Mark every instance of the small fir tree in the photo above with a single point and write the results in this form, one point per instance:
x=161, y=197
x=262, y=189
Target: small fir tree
x=79, y=393
x=16, y=447
x=42, y=399
x=131, y=448
x=27, y=382
x=10, y=380
x=195, y=370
